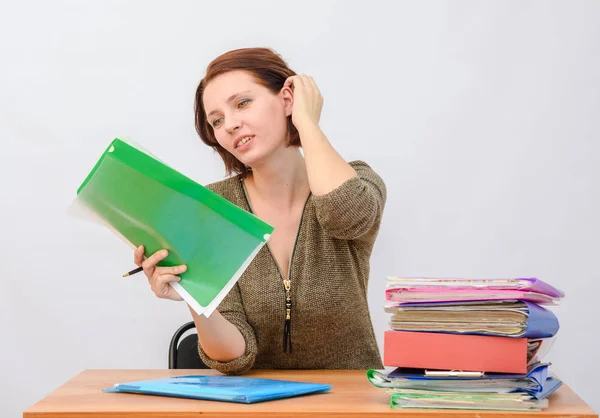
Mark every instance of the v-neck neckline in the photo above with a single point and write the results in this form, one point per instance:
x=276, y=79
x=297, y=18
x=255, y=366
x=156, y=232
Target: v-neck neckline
x=287, y=282
x=246, y=196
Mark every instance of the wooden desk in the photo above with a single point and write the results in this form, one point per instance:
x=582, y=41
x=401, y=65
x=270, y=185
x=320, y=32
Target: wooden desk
x=351, y=395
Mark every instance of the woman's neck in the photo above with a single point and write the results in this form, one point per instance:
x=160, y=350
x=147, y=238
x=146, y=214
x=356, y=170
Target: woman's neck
x=283, y=180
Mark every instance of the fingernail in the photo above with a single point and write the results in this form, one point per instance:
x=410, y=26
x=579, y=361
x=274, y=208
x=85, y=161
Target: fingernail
x=165, y=252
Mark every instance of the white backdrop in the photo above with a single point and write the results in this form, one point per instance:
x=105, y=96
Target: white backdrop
x=482, y=118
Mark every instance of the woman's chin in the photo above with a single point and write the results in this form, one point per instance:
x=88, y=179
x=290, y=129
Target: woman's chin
x=248, y=162
x=257, y=156
x=254, y=161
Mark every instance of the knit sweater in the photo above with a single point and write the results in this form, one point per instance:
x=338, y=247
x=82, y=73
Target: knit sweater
x=330, y=322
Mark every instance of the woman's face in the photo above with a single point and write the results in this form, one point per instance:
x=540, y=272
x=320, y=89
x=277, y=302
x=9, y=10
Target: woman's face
x=248, y=120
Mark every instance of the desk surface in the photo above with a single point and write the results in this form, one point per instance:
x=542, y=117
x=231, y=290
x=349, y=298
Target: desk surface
x=351, y=395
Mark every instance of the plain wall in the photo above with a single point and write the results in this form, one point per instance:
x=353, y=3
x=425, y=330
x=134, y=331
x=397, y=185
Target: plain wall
x=481, y=117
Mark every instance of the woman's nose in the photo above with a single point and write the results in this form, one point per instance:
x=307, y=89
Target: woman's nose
x=232, y=124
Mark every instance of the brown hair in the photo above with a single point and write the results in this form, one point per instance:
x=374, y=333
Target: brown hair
x=269, y=69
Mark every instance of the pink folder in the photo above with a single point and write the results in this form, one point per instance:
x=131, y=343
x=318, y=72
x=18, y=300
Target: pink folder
x=429, y=350
x=421, y=289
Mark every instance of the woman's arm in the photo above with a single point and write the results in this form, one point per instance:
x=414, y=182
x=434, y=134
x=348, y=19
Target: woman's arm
x=219, y=338
x=353, y=211
x=326, y=169
x=226, y=341
x=349, y=198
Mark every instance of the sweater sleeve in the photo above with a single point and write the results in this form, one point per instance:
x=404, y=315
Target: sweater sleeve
x=232, y=309
x=353, y=210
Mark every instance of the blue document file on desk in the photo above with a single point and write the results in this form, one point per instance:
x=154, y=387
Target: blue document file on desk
x=220, y=388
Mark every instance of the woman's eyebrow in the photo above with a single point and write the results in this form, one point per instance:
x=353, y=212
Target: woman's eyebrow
x=233, y=96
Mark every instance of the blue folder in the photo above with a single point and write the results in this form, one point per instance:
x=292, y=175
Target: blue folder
x=220, y=388
x=541, y=323
x=548, y=388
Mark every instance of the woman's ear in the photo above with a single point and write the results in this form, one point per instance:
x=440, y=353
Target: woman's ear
x=287, y=96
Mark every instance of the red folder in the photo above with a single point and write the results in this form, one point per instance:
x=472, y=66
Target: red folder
x=429, y=350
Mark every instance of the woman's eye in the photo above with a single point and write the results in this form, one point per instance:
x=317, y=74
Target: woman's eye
x=243, y=103
x=217, y=122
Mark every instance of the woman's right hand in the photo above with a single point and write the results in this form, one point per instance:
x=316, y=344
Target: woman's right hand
x=159, y=277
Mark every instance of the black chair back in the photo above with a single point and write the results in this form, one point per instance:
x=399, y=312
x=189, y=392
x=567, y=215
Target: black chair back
x=183, y=353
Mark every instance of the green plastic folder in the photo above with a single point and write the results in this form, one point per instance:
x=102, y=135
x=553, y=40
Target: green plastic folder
x=146, y=202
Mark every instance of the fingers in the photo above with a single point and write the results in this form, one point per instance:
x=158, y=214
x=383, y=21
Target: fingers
x=138, y=256
x=161, y=287
x=159, y=277
x=163, y=279
x=293, y=82
x=170, y=270
x=302, y=80
x=309, y=81
x=151, y=261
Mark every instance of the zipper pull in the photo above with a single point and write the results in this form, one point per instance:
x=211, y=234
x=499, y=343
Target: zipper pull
x=287, y=335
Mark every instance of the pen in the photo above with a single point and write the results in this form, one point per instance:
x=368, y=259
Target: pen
x=134, y=271
x=452, y=373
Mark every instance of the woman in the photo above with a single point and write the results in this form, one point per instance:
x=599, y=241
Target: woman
x=302, y=302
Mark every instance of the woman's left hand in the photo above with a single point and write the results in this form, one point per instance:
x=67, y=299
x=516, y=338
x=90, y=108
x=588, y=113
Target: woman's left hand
x=308, y=101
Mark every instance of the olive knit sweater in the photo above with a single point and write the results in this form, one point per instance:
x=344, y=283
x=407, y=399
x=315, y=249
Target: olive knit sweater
x=330, y=325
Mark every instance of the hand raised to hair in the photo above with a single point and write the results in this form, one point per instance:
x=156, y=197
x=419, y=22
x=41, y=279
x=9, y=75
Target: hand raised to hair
x=308, y=101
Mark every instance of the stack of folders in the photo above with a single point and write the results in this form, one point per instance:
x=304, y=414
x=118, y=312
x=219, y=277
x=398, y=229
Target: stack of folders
x=469, y=344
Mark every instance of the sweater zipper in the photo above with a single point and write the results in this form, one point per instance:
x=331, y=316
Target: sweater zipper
x=287, y=284
x=287, y=326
